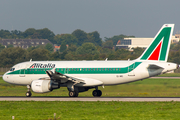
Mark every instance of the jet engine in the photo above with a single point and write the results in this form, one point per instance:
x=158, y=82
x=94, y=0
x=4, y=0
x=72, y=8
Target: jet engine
x=43, y=86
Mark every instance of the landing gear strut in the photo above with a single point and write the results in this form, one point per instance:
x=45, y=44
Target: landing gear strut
x=97, y=93
x=73, y=93
x=28, y=93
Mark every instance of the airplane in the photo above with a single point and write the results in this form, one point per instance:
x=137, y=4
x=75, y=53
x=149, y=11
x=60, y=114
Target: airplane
x=80, y=76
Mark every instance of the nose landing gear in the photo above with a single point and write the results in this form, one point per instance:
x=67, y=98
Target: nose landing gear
x=28, y=93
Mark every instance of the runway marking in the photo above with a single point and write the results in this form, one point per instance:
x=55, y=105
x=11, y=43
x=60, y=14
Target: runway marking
x=87, y=99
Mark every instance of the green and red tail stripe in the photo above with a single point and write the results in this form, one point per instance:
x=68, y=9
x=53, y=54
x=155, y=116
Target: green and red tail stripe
x=158, y=50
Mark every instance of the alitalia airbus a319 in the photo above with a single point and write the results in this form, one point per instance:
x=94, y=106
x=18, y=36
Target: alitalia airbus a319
x=80, y=76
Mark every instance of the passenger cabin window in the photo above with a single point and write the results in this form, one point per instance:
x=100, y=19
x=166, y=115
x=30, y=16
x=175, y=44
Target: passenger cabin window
x=12, y=69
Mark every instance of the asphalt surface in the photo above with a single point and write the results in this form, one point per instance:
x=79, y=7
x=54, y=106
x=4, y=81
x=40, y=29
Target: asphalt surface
x=86, y=99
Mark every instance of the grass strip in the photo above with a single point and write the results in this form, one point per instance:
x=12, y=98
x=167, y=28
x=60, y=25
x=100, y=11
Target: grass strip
x=31, y=110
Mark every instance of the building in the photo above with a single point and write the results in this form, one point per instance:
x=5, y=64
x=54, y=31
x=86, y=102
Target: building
x=24, y=43
x=56, y=48
x=130, y=43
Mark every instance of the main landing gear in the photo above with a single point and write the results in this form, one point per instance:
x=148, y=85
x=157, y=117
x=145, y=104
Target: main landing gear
x=73, y=93
x=28, y=93
x=97, y=93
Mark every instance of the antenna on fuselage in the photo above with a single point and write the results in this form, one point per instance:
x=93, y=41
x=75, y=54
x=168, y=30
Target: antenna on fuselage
x=30, y=60
x=106, y=59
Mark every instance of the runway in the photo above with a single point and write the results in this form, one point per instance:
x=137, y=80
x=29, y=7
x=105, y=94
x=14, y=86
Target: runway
x=87, y=99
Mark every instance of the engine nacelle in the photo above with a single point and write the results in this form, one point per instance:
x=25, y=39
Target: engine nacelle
x=43, y=86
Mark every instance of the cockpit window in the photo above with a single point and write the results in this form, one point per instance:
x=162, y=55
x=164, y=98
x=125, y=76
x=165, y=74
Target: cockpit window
x=12, y=69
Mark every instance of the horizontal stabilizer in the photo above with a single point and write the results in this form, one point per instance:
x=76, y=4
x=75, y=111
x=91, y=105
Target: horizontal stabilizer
x=152, y=66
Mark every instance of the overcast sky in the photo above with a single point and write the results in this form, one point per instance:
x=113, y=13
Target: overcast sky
x=141, y=18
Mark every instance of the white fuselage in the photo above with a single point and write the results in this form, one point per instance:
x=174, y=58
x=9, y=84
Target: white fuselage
x=108, y=72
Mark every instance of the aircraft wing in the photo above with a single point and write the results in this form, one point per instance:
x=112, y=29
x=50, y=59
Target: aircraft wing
x=59, y=76
x=62, y=78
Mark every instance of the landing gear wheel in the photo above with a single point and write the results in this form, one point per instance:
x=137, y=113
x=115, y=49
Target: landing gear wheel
x=73, y=94
x=94, y=93
x=28, y=94
x=97, y=93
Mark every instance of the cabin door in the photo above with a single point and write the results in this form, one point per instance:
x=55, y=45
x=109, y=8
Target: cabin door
x=22, y=73
x=66, y=71
x=131, y=70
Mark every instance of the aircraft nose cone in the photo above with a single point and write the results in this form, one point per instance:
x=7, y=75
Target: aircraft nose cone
x=5, y=78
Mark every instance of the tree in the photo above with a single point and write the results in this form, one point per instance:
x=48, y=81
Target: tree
x=69, y=56
x=55, y=55
x=108, y=44
x=11, y=56
x=31, y=48
x=112, y=56
x=45, y=33
x=116, y=38
x=87, y=48
x=72, y=48
x=136, y=52
x=63, y=47
x=35, y=36
x=94, y=37
x=49, y=47
x=5, y=34
x=80, y=35
x=67, y=38
x=16, y=34
x=39, y=54
x=29, y=32
x=122, y=54
x=1, y=47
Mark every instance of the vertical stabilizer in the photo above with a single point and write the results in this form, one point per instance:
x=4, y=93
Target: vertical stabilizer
x=158, y=50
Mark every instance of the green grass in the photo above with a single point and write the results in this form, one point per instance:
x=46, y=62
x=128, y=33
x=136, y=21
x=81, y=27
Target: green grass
x=170, y=75
x=30, y=110
x=146, y=88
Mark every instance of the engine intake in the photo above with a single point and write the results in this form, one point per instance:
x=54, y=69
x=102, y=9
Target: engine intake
x=43, y=86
